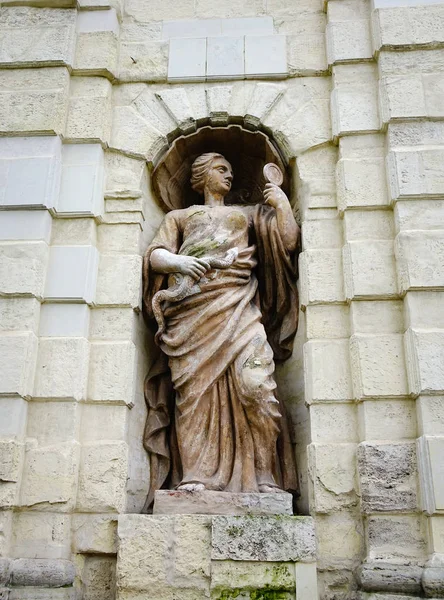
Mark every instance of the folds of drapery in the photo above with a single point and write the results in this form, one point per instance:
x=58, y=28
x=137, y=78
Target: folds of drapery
x=275, y=295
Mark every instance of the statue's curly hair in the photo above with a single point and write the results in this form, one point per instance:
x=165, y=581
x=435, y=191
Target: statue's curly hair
x=200, y=168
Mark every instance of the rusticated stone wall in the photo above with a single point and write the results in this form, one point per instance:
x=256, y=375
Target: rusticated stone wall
x=91, y=96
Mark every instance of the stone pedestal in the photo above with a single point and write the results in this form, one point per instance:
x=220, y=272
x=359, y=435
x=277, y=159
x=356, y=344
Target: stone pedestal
x=197, y=557
x=179, y=502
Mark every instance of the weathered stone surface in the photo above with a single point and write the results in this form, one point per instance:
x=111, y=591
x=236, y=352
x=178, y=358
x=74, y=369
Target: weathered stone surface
x=175, y=562
x=50, y=476
x=386, y=577
x=111, y=372
x=430, y=415
x=5, y=571
x=433, y=582
x=321, y=277
x=118, y=281
x=280, y=538
x=424, y=352
x=327, y=321
x=41, y=593
x=377, y=316
x=369, y=269
x=23, y=268
x=406, y=26
x=361, y=183
x=41, y=535
x=387, y=419
x=19, y=354
x=62, y=368
x=39, y=97
x=102, y=477
x=98, y=578
x=94, y=534
x=397, y=536
x=327, y=368
x=340, y=540
x=420, y=259
x=378, y=366
x=334, y=423
x=387, y=476
x=240, y=577
x=431, y=473
x=170, y=502
x=42, y=572
x=332, y=469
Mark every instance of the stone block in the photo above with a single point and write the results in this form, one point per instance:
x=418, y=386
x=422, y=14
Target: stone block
x=407, y=26
x=387, y=477
x=124, y=238
x=430, y=410
x=263, y=538
x=112, y=372
x=45, y=572
x=53, y=422
x=119, y=280
x=64, y=320
x=62, y=368
x=340, y=539
x=324, y=233
x=402, y=97
x=19, y=354
x=25, y=225
x=306, y=581
x=423, y=310
x=97, y=42
x=11, y=456
x=98, y=578
x=387, y=420
x=126, y=177
x=163, y=9
x=390, y=577
x=187, y=59
x=361, y=183
x=89, y=115
x=354, y=100
x=93, y=417
x=368, y=225
x=225, y=57
x=39, y=98
x=334, y=423
x=142, y=60
x=50, y=477
x=94, y=534
x=37, y=36
x=81, y=189
x=41, y=535
x=433, y=581
x=414, y=173
x=378, y=366
x=23, y=268
x=431, y=472
x=420, y=259
x=72, y=273
x=30, y=173
x=321, y=277
x=348, y=41
x=369, y=269
x=265, y=55
x=381, y=316
x=437, y=534
x=400, y=537
x=327, y=321
x=424, y=351
x=306, y=53
x=5, y=532
x=13, y=417
x=247, y=578
x=112, y=324
x=418, y=214
x=77, y=231
x=102, y=477
x=332, y=470
x=19, y=314
x=176, y=502
x=176, y=561
x=327, y=368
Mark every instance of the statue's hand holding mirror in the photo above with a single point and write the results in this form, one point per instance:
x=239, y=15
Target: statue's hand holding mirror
x=274, y=177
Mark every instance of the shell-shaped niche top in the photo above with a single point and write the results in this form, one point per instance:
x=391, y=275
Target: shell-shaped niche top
x=247, y=151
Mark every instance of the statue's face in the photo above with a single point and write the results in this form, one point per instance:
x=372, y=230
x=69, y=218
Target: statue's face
x=219, y=177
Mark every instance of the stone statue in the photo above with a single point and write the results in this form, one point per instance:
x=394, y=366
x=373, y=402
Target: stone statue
x=221, y=283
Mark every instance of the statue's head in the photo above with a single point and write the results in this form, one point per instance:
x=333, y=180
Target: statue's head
x=212, y=172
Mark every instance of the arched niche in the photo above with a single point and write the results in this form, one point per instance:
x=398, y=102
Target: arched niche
x=247, y=151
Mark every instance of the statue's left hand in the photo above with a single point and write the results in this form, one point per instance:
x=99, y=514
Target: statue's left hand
x=274, y=196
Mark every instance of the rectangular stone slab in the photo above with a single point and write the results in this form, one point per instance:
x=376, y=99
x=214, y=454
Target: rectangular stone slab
x=178, y=502
x=276, y=538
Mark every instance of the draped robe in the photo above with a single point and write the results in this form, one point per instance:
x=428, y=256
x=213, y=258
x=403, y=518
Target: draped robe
x=213, y=416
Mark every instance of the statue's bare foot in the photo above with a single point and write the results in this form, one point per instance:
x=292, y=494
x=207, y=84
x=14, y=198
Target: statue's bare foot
x=191, y=487
x=270, y=489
